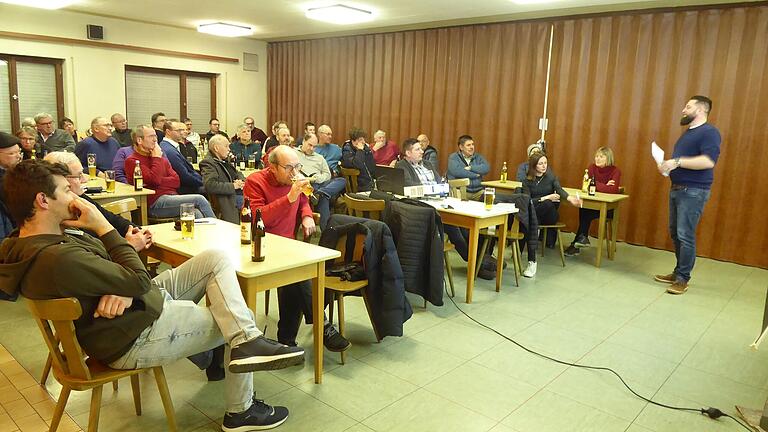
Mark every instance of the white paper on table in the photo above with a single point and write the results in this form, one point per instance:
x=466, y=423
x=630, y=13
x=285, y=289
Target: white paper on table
x=658, y=154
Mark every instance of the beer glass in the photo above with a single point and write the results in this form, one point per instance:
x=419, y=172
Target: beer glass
x=109, y=176
x=252, y=162
x=307, y=189
x=187, y=221
x=91, y=158
x=489, y=195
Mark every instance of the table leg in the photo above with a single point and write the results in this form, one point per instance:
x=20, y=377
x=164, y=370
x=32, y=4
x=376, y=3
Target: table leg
x=318, y=295
x=143, y=209
x=601, y=233
x=474, y=234
x=502, y=243
x=614, y=234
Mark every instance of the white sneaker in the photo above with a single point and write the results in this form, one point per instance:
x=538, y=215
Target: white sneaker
x=530, y=271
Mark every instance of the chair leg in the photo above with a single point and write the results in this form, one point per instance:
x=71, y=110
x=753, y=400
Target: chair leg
x=165, y=395
x=266, y=302
x=544, y=242
x=136, y=393
x=450, y=273
x=560, y=242
x=483, y=249
x=342, y=324
x=330, y=308
x=93, y=417
x=518, y=255
x=46, y=370
x=516, y=261
x=114, y=385
x=58, y=412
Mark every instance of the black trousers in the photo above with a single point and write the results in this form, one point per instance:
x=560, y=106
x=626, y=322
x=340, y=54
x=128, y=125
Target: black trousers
x=586, y=216
x=293, y=301
x=547, y=214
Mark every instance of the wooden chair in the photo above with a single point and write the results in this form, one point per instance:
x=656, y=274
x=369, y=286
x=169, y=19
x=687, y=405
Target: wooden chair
x=458, y=188
x=557, y=226
x=350, y=175
x=55, y=318
x=340, y=288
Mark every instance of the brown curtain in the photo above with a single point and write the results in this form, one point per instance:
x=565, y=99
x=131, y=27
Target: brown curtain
x=621, y=81
x=617, y=81
x=486, y=81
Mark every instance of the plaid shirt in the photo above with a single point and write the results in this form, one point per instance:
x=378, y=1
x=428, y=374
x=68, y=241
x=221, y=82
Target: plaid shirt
x=426, y=176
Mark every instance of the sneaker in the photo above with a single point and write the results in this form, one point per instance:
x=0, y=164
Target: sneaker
x=670, y=278
x=530, y=271
x=572, y=251
x=489, y=263
x=581, y=241
x=678, y=287
x=487, y=273
x=215, y=371
x=333, y=340
x=263, y=354
x=259, y=416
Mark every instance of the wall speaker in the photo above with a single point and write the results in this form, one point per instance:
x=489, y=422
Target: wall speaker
x=95, y=32
x=250, y=62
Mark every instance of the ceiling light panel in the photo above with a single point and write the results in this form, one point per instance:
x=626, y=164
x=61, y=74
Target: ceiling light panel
x=225, y=29
x=41, y=4
x=340, y=14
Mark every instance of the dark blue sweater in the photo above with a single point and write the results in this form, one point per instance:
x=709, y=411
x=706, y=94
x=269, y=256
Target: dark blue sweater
x=701, y=140
x=191, y=180
x=105, y=152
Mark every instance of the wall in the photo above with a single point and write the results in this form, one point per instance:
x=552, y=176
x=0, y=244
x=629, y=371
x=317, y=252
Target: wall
x=94, y=77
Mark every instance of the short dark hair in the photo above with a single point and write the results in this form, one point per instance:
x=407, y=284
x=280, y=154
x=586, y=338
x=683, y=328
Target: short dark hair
x=532, y=162
x=408, y=143
x=307, y=136
x=65, y=120
x=464, y=138
x=168, y=126
x=138, y=131
x=356, y=133
x=23, y=182
x=155, y=116
x=308, y=124
x=211, y=120
x=703, y=100
x=185, y=119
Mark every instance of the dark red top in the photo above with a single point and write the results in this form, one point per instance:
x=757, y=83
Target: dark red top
x=603, y=175
x=279, y=214
x=386, y=154
x=157, y=173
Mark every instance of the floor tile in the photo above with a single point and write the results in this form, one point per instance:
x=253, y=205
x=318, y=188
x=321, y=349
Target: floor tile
x=712, y=390
x=549, y=412
x=514, y=362
x=565, y=344
x=460, y=340
x=632, y=365
x=413, y=361
x=664, y=346
x=661, y=419
x=310, y=414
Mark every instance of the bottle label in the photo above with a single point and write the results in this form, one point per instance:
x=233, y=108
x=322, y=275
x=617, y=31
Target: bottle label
x=245, y=232
x=139, y=183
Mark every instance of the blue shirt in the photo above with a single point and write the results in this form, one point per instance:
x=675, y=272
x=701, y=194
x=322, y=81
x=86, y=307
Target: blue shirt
x=332, y=154
x=457, y=165
x=701, y=140
x=105, y=152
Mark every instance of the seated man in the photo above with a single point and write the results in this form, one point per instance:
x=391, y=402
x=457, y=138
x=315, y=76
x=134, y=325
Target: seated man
x=50, y=138
x=327, y=149
x=215, y=129
x=187, y=149
x=315, y=168
x=385, y=152
x=99, y=143
x=118, y=163
x=356, y=153
x=10, y=156
x=222, y=180
x=128, y=320
x=466, y=163
x=430, y=153
x=159, y=176
x=282, y=204
x=191, y=182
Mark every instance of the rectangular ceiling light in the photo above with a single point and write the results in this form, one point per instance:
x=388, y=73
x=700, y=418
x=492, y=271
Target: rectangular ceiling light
x=41, y=4
x=533, y=2
x=224, y=29
x=339, y=14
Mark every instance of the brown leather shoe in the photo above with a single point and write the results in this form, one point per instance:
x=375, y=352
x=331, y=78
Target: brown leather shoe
x=670, y=278
x=679, y=287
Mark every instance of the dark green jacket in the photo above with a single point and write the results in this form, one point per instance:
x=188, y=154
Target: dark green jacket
x=50, y=266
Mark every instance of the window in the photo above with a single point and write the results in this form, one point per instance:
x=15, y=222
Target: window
x=28, y=86
x=176, y=93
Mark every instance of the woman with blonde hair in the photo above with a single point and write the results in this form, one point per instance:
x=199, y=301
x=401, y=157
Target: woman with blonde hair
x=607, y=180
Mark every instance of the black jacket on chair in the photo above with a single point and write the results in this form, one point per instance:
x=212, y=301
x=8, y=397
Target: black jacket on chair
x=389, y=307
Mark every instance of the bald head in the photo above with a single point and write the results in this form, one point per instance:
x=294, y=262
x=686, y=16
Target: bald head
x=281, y=157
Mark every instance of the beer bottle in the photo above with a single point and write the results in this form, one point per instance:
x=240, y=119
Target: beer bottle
x=258, y=236
x=503, y=177
x=138, y=179
x=241, y=162
x=245, y=223
x=592, y=186
x=585, y=181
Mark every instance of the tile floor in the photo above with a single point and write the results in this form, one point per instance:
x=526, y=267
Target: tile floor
x=448, y=374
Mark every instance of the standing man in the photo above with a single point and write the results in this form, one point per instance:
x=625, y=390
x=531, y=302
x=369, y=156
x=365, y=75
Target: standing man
x=327, y=149
x=326, y=187
x=121, y=132
x=465, y=163
x=50, y=138
x=101, y=143
x=691, y=171
x=191, y=180
x=158, y=120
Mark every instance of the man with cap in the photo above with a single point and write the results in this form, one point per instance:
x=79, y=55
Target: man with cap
x=10, y=155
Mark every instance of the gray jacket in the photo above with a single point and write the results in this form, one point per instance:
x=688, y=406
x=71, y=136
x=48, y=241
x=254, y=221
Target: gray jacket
x=218, y=177
x=59, y=141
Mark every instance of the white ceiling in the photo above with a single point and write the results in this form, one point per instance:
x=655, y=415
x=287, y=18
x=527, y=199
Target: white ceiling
x=284, y=19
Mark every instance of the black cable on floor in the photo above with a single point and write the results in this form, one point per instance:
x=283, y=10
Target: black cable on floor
x=710, y=412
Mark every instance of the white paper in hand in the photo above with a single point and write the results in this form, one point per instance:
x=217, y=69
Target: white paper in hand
x=658, y=154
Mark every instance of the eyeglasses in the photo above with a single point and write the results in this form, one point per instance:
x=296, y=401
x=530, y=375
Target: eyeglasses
x=46, y=123
x=77, y=176
x=290, y=168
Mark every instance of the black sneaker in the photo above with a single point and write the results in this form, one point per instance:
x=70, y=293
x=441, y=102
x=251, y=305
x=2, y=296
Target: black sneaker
x=581, y=241
x=263, y=354
x=333, y=340
x=486, y=274
x=572, y=251
x=259, y=416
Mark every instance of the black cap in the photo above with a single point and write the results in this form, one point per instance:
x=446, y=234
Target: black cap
x=8, y=140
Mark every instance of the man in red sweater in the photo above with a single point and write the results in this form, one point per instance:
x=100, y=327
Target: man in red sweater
x=282, y=204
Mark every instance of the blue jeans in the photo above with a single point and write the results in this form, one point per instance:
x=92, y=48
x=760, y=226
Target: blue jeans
x=327, y=192
x=168, y=206
x=685, y=208
x=185, y=328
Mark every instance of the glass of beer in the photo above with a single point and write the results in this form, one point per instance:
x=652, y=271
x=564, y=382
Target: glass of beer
x=187, y=214
x=109, y=176
x=91, y=158
x=489, y=195
x=307, y=189
x=252, y=162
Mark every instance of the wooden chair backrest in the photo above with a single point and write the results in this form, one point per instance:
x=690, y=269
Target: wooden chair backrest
x=122, y=207
x=350, y=175
x=55, y=318
x=341, y=246
x=369, y=209
x=458, y=188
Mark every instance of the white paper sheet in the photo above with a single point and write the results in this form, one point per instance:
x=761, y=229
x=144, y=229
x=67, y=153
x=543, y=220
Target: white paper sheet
x=658, y=154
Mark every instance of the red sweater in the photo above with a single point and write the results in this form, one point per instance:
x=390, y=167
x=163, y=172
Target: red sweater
x=157, y=173
x=279, y=214
x=603, y=175
x=386, y=154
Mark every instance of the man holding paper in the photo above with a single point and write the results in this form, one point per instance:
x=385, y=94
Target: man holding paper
x=691, y=170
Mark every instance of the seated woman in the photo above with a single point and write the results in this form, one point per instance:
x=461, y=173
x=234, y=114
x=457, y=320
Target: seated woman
x=222, y=180
x=544, y=188
x=28, y=137
x=607, y=180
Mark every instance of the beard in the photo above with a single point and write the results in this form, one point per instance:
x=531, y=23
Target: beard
x=686, y=120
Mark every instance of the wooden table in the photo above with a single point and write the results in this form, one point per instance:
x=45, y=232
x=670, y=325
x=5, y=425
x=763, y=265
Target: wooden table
x=602, y=202
x=473, y=216
x=287, y=261
x=122, y=191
